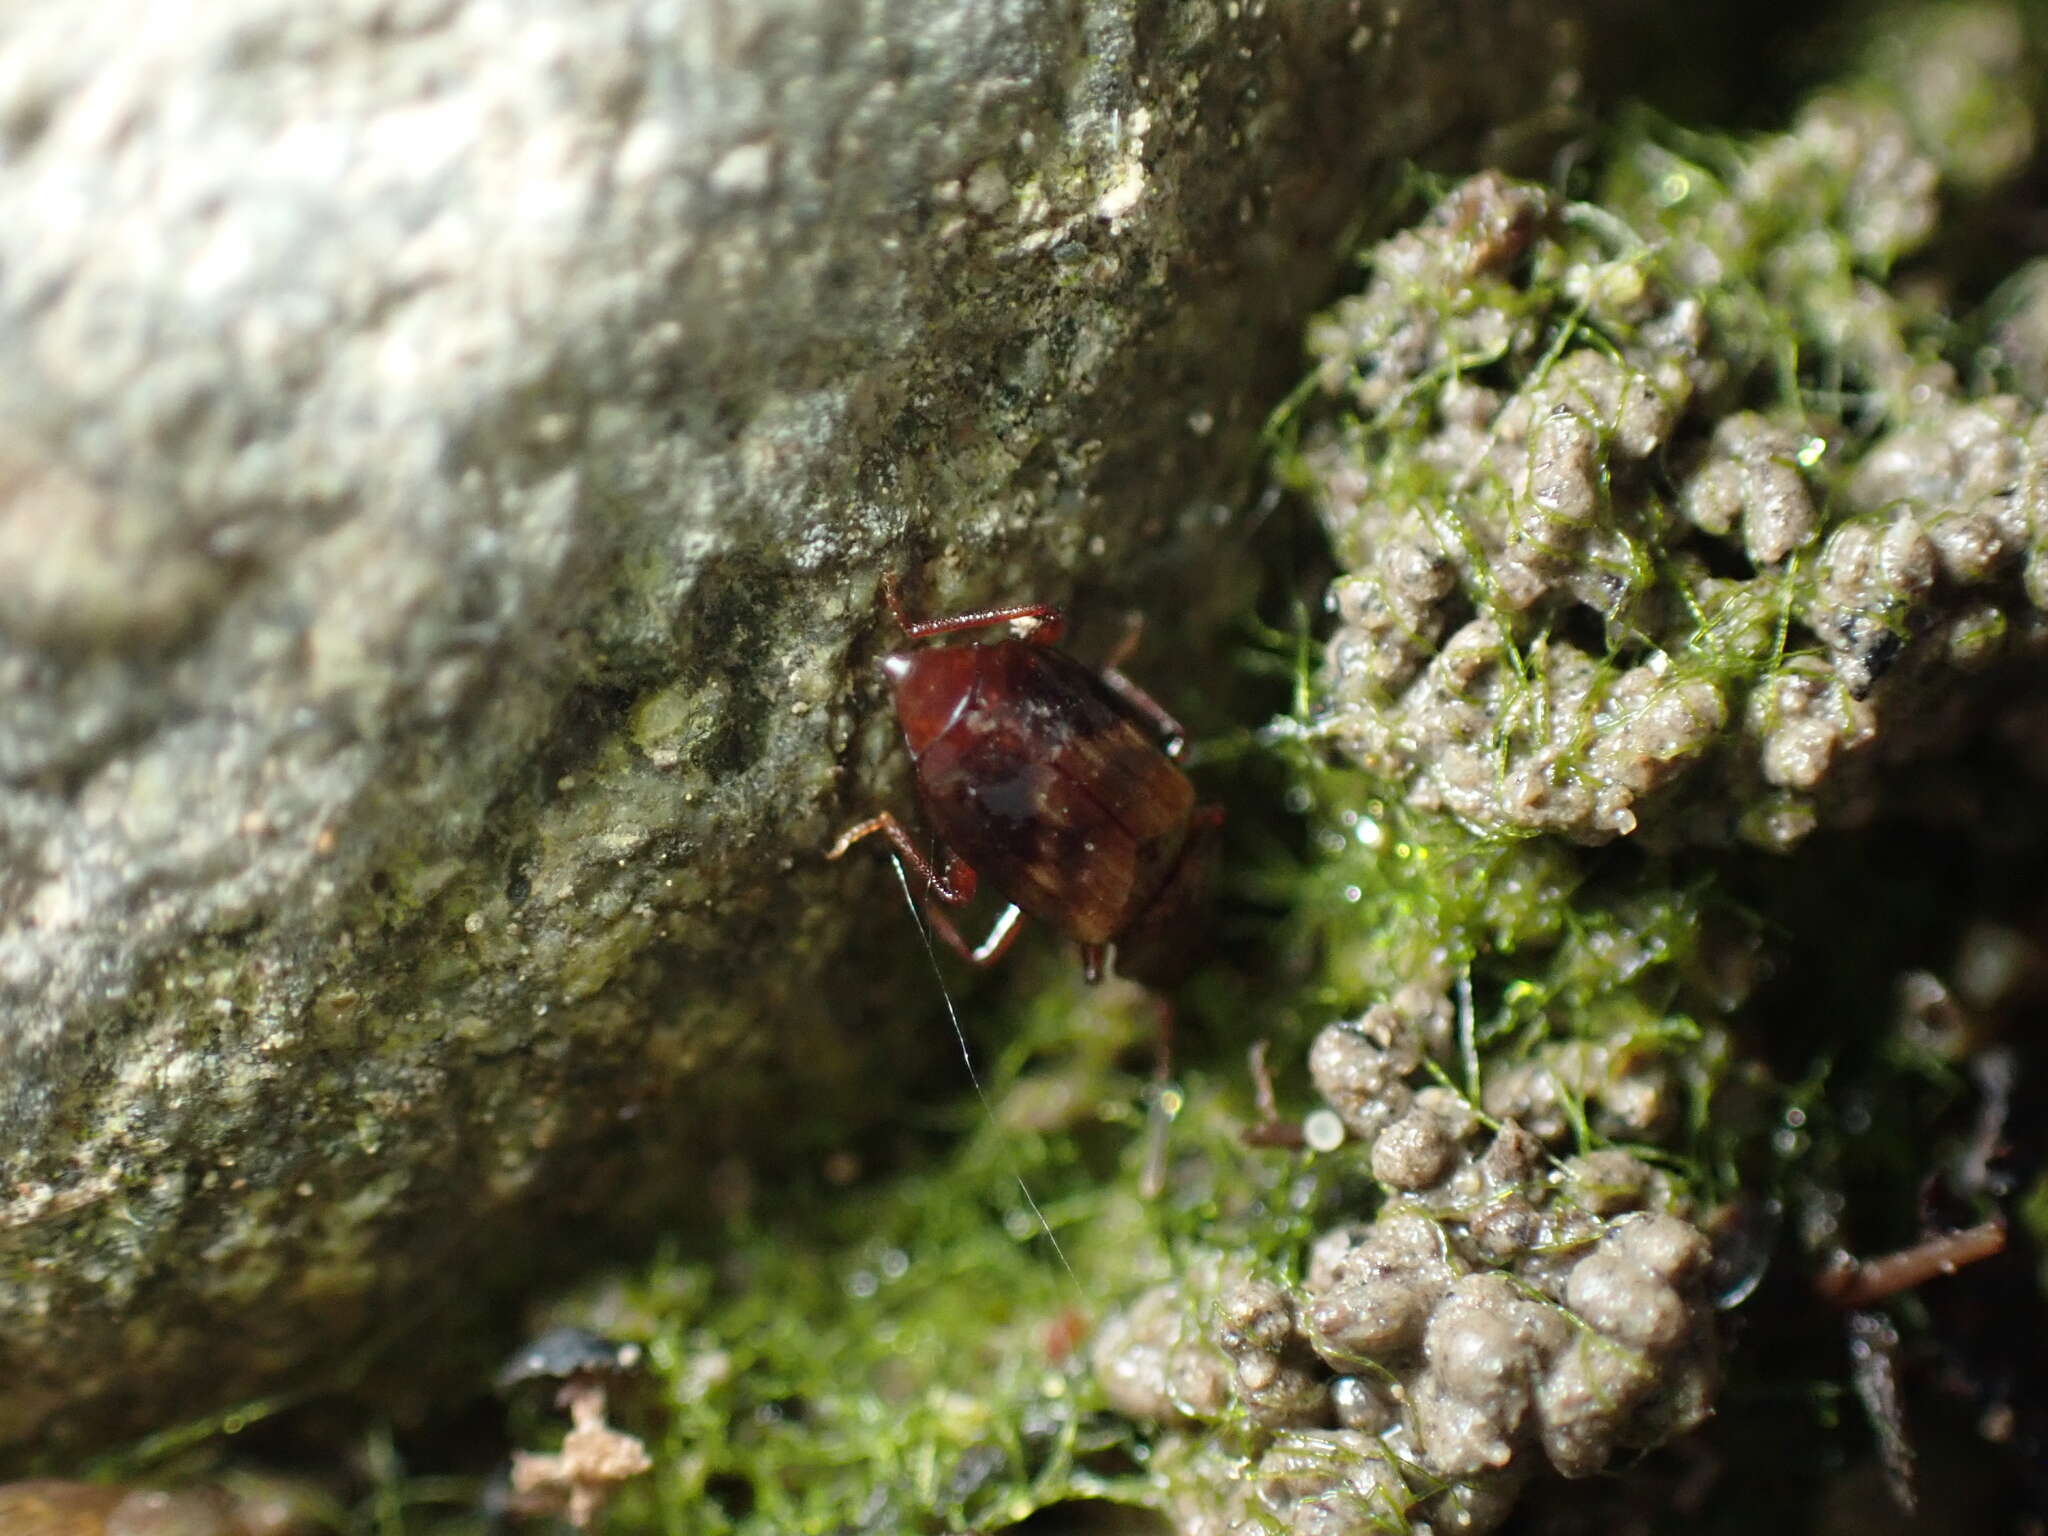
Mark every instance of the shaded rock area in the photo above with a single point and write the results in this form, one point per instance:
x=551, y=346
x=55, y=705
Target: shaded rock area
x=449, y=452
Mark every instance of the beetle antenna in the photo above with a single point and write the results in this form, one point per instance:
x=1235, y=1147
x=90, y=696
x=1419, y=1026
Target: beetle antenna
x=967, y=1056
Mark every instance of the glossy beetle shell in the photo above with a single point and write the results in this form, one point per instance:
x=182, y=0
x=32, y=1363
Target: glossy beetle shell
x=1038, y=776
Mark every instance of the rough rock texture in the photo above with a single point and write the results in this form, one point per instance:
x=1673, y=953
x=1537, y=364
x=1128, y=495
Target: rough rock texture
x=449, y=448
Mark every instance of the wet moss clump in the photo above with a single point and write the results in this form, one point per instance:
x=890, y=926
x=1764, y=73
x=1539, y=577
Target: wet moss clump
x=1660, y=516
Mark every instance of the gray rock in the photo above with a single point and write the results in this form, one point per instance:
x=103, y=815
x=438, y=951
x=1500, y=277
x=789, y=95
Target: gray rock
x=447, y=452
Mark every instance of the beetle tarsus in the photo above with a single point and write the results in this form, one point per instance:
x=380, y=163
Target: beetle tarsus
x=991, y=949
x=856, y=832
x=1001, y=935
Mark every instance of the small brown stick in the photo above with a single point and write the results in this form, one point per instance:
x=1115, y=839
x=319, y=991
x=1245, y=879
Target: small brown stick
x=1852, y=1283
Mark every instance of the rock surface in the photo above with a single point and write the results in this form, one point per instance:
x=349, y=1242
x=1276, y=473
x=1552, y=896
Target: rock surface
x=449, y=451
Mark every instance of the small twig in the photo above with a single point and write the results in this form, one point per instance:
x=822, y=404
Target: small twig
x=1853, y=1283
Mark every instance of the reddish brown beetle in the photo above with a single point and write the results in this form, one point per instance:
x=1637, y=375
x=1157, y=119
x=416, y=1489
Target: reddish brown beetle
x=1039, y=776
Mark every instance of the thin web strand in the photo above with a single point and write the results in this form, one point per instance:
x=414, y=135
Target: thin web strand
x=967, y=1057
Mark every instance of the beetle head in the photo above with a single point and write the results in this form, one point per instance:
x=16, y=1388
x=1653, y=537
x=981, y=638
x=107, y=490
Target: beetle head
x=931, y=687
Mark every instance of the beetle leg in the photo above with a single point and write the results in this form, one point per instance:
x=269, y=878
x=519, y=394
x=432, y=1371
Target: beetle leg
x=1040, y=623
x=1173, y=735
x=1091, y=962
x=1001, y=936
x=955, y=887
x=989, y=950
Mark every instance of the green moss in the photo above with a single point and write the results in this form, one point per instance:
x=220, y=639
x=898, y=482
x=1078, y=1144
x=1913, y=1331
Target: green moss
x=910, y=1355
